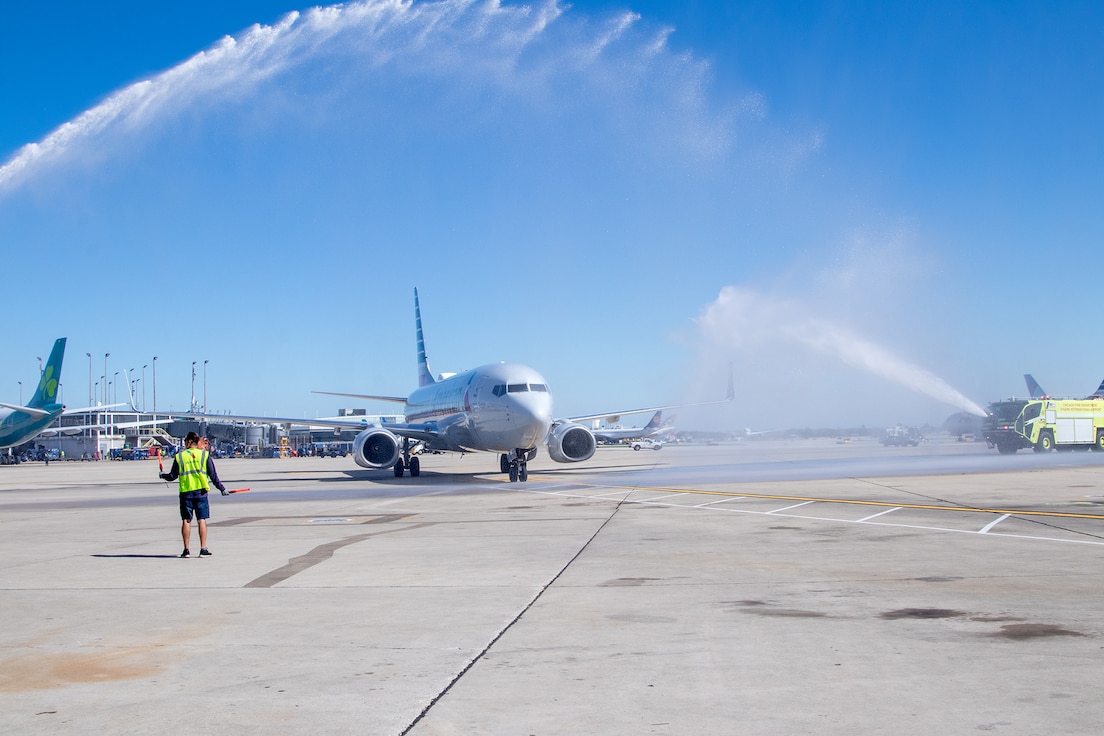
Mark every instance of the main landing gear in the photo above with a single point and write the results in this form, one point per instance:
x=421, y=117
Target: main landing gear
x=516, y=463
x=408, y=461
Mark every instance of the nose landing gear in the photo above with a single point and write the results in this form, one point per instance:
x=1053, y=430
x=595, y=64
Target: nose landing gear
x=516, y=463
x=408, y=461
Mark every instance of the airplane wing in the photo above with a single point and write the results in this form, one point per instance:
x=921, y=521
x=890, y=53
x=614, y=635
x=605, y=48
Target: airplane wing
x=395, y=399
x=340, y=423
x=430, y=433
x=93, y=409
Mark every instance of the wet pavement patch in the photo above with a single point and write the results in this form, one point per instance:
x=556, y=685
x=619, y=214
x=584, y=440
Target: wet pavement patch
x=786, y=613
x=1019, y=632
x=901, y=613
x=627, y=581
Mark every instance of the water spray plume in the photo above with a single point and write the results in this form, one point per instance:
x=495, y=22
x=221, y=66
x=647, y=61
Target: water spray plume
x=741, y=317
x=521, y=50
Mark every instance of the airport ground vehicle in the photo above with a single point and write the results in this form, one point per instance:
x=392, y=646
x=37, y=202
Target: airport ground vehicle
x=647, y=444
x=901, y=436
x=1045, y=425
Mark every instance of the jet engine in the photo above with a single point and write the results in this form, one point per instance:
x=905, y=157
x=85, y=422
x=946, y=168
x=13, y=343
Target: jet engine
x=570, y=443
x=376, y=448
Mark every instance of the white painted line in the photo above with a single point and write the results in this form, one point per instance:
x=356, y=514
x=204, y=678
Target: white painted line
x=714, y=506
x=880, y=513
x=667, y=495
x=993, y=523
x=787, y=508
x=712, y=503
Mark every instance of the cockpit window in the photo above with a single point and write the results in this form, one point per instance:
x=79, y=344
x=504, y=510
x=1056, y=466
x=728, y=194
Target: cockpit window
x=518, y=388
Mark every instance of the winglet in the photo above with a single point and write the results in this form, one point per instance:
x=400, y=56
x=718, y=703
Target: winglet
x=46, y=393
x=425, y=376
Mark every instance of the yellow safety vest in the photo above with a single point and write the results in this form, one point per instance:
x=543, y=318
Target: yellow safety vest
x=192, y=465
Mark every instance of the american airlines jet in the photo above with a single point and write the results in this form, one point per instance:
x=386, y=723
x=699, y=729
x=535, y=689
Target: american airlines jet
x=504, y=408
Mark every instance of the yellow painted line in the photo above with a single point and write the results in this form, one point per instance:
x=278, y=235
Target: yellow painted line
x=932, y=507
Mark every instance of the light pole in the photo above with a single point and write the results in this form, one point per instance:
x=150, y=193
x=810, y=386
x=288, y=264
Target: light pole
x=193, y=406
x=115, y=396
x=205, y=386
x=21, y=393
x=40, y=367
x=89, y=378
x=105, y=377
x=155, y=388
x=144, y=387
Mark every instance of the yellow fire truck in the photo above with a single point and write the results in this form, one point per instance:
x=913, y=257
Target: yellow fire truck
x=1045, y=425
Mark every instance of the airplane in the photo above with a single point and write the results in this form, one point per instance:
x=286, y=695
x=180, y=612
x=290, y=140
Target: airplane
x=18, y=424
x=618, y=434
x=504, y=408
x=1036, y=391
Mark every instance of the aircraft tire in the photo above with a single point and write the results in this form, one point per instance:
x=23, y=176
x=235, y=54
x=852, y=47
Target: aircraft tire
x=523, y=473
x=513, y=473
x=415, y=467
x=399, y=469
x=504, y=463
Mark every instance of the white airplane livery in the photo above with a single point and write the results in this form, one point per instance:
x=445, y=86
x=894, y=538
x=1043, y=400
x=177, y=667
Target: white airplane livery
x=505, y=408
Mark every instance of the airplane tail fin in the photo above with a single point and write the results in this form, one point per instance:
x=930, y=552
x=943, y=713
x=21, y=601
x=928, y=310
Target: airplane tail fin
x=425, y=376
x=1099, y=393
x=1034, y=390
x=46, y=393
x=656, y=422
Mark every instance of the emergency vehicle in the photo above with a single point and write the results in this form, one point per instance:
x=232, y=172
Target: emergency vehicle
x=1045, y=425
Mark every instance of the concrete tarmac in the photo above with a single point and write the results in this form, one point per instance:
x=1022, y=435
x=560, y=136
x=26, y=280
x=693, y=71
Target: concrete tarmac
x=773, y=587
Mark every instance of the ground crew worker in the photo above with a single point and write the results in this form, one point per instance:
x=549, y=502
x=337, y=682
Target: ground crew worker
x=196, y=471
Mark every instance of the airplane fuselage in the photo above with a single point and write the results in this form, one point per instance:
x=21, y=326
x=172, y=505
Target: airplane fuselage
x=16, y=427
x=498, y=407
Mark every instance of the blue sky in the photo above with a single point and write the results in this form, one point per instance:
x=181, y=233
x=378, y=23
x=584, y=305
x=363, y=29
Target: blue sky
x=876, y=212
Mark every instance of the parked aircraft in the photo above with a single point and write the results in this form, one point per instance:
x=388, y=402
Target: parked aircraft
x=1036, y=391
x=621, y=434
x=504, y=408
x=18, y=424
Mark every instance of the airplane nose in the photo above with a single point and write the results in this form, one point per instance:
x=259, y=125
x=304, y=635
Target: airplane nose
x=531, y=420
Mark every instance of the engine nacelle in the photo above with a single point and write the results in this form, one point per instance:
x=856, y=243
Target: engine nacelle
x=571, y=443
x=376, y=448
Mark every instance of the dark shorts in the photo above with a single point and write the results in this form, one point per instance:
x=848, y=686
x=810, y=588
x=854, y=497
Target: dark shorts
x=197, y=504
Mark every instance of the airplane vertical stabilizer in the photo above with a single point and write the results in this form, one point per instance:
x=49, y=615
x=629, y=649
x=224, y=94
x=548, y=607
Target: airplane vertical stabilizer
x=1099, y=393
x=47, y=390
x=1034, y=390
x=425, y=376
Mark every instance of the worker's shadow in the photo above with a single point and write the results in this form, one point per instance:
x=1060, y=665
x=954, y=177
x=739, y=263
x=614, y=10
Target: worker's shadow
x=150, y=557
